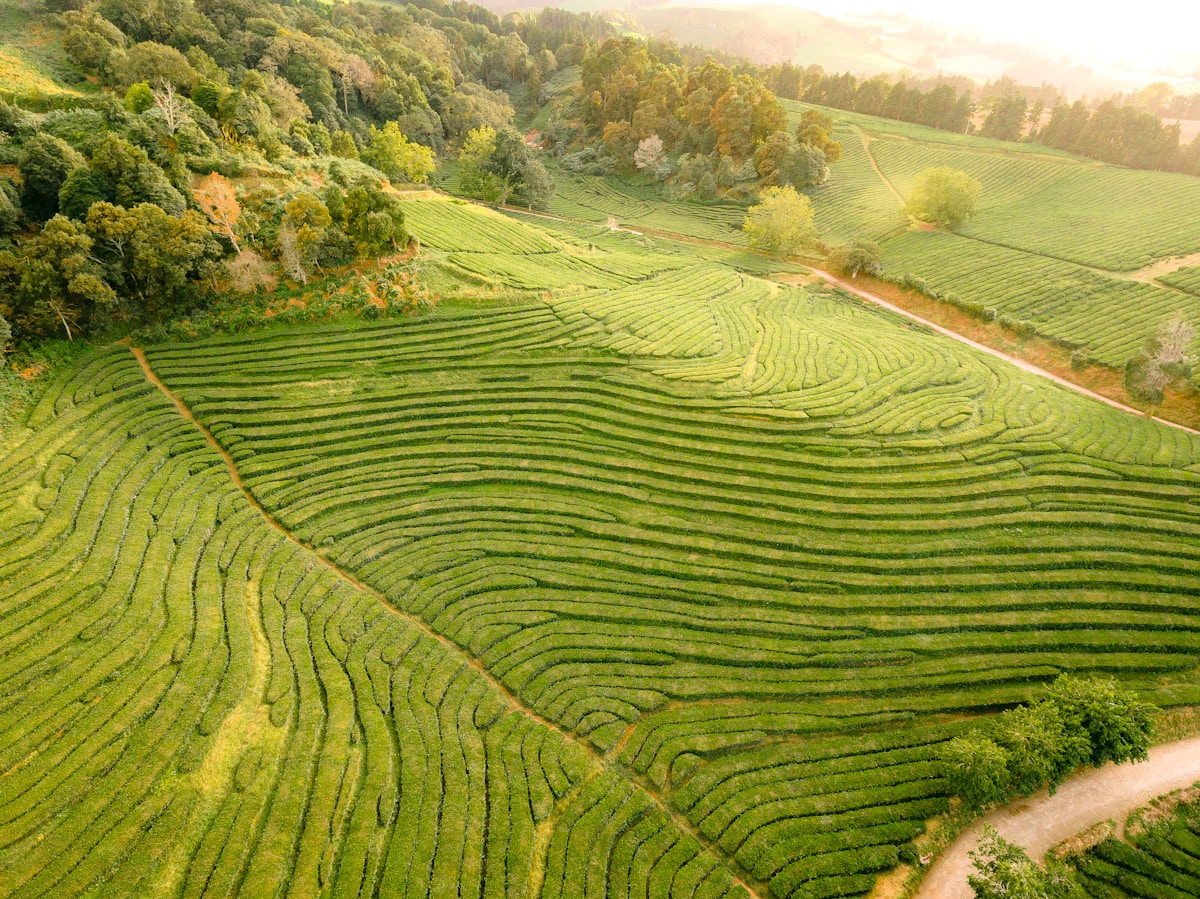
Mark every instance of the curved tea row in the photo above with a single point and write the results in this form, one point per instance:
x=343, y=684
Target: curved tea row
x=196, y=705
x=761, y=549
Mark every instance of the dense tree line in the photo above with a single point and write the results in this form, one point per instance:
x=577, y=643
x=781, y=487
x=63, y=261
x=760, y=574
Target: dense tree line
x=700, y=127
x=941, y=106
x=1125, y=135
x=1125, y=131
x=1077, y=722
x=123, y=209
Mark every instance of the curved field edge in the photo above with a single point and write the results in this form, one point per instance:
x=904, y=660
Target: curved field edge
x=196, y=705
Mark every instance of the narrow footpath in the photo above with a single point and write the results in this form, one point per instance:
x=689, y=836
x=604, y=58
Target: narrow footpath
x=1041, y=822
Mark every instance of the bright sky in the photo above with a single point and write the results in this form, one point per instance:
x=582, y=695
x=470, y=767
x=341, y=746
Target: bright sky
x=1108, y=33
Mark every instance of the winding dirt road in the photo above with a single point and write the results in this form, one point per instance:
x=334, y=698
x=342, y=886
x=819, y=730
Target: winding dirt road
x=1042, y=821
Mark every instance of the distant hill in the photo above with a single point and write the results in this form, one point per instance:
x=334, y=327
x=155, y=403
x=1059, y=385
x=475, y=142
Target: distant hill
x=879, y=43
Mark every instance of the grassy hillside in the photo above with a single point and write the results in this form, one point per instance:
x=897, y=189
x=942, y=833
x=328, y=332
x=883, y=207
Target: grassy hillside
x=646, y=588
x=33, y=66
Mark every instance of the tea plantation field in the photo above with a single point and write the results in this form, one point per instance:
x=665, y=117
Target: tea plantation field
x=666, y=587
x=1057, y=240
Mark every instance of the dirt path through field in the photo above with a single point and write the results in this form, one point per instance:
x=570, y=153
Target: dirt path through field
x=1042, y=821
x=681, y=822
x=866, y=142
x=1165, y=267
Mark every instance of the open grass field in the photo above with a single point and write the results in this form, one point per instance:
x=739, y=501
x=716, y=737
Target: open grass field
x=667, y=587
x=33, y=66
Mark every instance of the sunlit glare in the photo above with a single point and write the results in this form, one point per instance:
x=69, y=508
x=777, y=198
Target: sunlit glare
x=1152, y=34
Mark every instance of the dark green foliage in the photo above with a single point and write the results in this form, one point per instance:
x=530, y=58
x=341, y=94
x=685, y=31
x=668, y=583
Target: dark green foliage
x=83, y=187
x=5, y=338
x=854, y=257
x=56, y=286
x=941, y=107
x=153, y=256
x=1117, y=724
x=1143, y=380
x=977, y=770
x=14, y=120
x=1042, y=748
x=10, y=207
x=1126, y=135
x=45, y=162
x=1078, y=722
x=119, y=173
x=374, y=220
x=133, y=178
x=781, y=160
x=1005, y=119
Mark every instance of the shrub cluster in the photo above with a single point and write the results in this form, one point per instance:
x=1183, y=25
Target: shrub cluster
x=1078, y=722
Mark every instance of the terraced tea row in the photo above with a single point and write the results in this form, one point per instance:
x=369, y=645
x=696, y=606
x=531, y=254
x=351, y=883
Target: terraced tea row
x=1160, y=860
x=196, y=705
x=760, y=564
x=1185, y=279
x=855, y=204
x=1110, y=317
x=1111, y=218
x=596, y=199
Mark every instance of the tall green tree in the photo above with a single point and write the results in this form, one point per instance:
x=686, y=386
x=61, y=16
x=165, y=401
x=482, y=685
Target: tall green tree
x=781, y=223
x=398, y=158
x=44, y=163
x=1118, y=725
x=976, y=769
x=154, y=257
x=1041, y=747
x=944, y=196
x=56, y=284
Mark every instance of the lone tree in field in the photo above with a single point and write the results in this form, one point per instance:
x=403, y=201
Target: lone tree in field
x=854, y=257
x=1163, y=361
x=781, y=223
x=943, y=196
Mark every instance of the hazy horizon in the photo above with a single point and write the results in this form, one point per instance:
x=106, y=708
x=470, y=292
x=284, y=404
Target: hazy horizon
x=1161, y=38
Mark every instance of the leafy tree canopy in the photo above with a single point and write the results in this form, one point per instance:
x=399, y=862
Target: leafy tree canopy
x=1004, y=871
x=944, y=196
x=781, y=223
